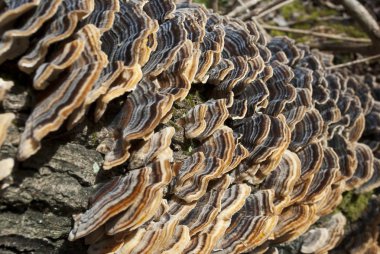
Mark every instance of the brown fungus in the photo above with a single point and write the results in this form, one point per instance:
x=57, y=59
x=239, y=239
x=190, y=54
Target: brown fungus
x=277, y=137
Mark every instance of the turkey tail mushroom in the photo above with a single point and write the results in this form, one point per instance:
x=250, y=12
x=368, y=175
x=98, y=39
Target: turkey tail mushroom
x=6, y=164
x=226, y=140
x=69, y=93
x=323, y=239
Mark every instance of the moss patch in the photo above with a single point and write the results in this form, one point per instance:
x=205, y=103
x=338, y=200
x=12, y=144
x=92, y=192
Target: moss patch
x=180, y=145
x=306, y=17
x=205, y=2
x=181, y=108
x=299, y=11
x=294, y=8
x=352, y=30
x=353, y=205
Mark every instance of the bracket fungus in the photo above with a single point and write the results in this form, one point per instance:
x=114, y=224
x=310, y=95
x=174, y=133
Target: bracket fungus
x=323, y=239
x=275, y=142
x=6, y=164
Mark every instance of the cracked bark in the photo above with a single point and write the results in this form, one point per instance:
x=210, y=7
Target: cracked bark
x=38, y=200
x=36, y=208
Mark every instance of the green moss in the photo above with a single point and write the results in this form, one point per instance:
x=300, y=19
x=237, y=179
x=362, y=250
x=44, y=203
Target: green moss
x=181, y=108
x=279, y=33
x=289, y=10
x=307, y=17
x=192, y=99
x=294, y=11
x=349, y=30
x=297, y=9
x=319, y=12
x=93, y=138
x=353, y=205
x=205, y=2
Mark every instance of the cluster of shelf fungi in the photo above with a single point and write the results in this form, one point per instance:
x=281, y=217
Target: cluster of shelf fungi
x=279, y=139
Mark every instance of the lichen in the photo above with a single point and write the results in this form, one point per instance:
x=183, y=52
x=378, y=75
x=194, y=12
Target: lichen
x=181, y=145
x=93, y=139
x=353, y=205
x=182, y=107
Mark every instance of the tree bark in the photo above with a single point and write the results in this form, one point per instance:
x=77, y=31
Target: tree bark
x=38, y=200
x=37, y=207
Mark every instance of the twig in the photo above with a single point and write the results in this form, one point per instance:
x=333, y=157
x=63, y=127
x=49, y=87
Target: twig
x=214, y=4
x=274, y=5
x=229, y=5
x=331, y=18
x=366, y=59
x=316, y=34
x=364, y=18
x=331, y=5
x=273, y=8
x=346, y=47
x=244, y=6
